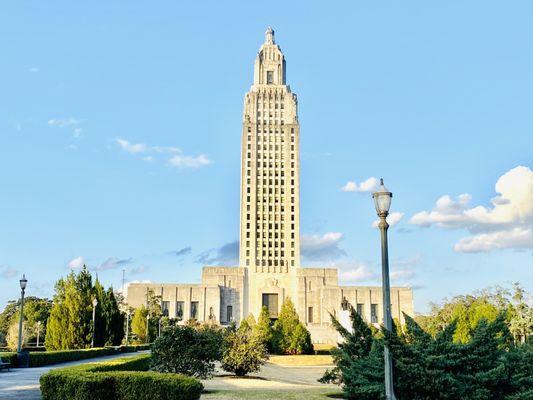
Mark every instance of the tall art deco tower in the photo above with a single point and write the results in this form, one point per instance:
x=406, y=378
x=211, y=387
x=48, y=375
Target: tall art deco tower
x=269, y=236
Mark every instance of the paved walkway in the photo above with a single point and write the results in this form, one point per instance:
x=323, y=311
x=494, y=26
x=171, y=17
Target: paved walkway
x=23, y=383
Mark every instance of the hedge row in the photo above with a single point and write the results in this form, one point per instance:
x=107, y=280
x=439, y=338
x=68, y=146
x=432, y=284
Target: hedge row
x=124, y=379
x=41, y=358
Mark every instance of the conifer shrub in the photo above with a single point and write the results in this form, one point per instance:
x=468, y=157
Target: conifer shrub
x=487, y=367
x=289, y=335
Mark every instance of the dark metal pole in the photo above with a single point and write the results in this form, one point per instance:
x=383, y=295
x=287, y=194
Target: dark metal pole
x=19, y=347
x=387, y=318
x=127, y=327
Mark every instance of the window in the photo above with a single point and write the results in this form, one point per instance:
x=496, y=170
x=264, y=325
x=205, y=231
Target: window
x=179, y=310
x=360, y=309
x=270, y=301
x=194, y=309
x=310, y=315
x=165, y=305
x=229, y=313
x=374, y=313
x=270, y=77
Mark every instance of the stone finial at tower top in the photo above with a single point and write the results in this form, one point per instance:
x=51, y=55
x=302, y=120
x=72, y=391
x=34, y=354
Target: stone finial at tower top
x=269, y=36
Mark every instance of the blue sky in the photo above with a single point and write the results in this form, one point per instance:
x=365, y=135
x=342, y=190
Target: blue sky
x=120, y=129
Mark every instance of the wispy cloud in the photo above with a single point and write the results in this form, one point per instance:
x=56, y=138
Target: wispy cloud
x=64, y=122
x=227, y=254
x=69, y=123
x=9, y=272
x=76, y=263
x=139, y=270
x=113, y=263
x=173, y=155
x=506, y=224
x=368, y=185
x=181, y=252
x=321, y=247
x=33, y=69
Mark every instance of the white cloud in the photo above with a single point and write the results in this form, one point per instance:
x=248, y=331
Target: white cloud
x=189, y=161
x=321, y=248
x=33, y=69
x=393, y=218
x=357, y=272
x=506, y=224
x=76, y=263
x=64, y=123
x=369, y=185
x=516, y=238
x=130, y=147
x=8, y=272
x=174, y=155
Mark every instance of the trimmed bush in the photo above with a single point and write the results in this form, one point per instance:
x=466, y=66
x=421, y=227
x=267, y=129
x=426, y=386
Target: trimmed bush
x=38, y=359
x=9, y=357
x=123, y=379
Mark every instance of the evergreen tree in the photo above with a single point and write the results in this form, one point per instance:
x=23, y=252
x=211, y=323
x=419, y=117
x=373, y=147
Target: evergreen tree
x=70, y=322
x=263, y=328
x=289, y=334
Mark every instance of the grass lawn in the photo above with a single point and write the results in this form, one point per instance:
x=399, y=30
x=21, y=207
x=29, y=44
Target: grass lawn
x=288, y=394
x=301, y=360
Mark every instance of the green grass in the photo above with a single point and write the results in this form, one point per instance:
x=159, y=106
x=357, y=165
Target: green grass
x=265, y=394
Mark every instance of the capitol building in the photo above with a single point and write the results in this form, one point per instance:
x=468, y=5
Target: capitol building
x=269, y=267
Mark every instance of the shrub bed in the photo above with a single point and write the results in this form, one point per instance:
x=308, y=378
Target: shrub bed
x=38, y=359
x=41, y=358
x=124, y=379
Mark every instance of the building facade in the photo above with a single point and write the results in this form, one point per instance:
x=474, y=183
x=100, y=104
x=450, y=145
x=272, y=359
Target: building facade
x=269, y=254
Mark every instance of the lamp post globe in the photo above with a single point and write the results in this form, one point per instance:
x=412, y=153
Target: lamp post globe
x=382, y=202
x=23, y=282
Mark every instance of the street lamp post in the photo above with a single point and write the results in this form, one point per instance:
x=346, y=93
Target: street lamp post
x=147, y=327
x=127, y=325
x=95, y=303
x=23, y=283
x=38, y=332
x=382, y=201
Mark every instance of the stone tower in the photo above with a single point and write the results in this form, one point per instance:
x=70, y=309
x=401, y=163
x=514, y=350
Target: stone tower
x=270, y=231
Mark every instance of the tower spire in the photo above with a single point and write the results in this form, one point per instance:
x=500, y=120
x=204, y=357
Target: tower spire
x=269, y=36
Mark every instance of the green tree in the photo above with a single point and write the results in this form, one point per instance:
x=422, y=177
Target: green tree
x=70, y=322
x=244, y=352
x=263, y=328
x=290, y=336
x=35, y=310
x=138, y=324
x=187, y=350
x=436, y=367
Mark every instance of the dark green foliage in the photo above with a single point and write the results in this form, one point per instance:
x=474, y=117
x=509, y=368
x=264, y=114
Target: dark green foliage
x=70, y=324
x=263, y=328
x=187, y=350
x=117, y=380
x=290, y=336
x=244, y=352
x=487, y=367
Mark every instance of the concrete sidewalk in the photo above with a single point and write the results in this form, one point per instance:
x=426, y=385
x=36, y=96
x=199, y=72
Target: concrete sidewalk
x=23, y=383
